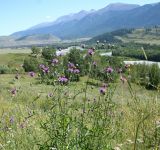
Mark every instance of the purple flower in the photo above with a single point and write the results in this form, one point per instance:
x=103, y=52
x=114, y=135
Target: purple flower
x=102, y=90
x=11, y=120
x=71, y=70
x=109, y=70
x=94, y=64
x=45, y=70
x=50, y=94
x=76, y=71
x=54, y=61
x=90, y=52
x=13, y=92
x=41, y=66
x=71, y=65
x=31, y=73
x=63, y=79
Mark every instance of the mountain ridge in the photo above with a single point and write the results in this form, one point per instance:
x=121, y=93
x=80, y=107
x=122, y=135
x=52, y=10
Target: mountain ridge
x=109, y=18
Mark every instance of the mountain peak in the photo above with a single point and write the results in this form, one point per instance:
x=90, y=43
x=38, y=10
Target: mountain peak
x=120, y=6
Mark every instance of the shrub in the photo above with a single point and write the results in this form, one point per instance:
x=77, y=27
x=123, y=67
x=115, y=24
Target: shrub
x=154, y=76
x=48, y=53
x=31, y=64
x=4, y=69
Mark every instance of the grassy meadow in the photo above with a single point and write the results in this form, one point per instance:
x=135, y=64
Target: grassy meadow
x=76, y=115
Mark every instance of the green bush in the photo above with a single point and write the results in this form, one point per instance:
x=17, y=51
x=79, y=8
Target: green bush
x=31, y=64
x=154, y=76
x=4, y=69
x=48, y=53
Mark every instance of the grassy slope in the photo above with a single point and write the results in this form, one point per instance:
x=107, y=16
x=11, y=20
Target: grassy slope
x=141, y=36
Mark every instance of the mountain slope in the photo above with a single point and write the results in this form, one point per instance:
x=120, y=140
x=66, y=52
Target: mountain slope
x=112, y=17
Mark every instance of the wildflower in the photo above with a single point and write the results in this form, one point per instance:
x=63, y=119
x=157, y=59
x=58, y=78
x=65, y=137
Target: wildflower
x=11, y=120
x=94, y=64
x=50, y=95
x=109, y=70
x=54, y=61
x=13, y=92
x=102, y=90
x=63, y=79
x=45, y=70
x=31, y=74
x=71, y=65
x=41, y=66
x=90, y=52
x=71, y=70
x=76, y=71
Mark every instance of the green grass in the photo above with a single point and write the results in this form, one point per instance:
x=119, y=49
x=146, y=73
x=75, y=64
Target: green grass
x=132, y=104
x=77, y=116
x=14, y=50
x=12, y=59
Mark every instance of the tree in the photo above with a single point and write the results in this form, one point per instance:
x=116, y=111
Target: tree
x=48, y=53
x=35, y=51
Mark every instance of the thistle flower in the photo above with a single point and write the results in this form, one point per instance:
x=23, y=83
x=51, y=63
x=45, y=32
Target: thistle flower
x=94, y=64
x=71, y=65
x=50, y=95
x=11, y=120
x=71, y=70
x=102, y=90
x=41, y=66
x=63, y=79
x=76, y=71
x=45, y=70
x=90, y=52
x=54, y=61
x=109, y=70
x=13, y=91
x=31, y=74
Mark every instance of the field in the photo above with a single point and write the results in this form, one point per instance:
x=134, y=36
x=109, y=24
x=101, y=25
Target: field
x=76, y=115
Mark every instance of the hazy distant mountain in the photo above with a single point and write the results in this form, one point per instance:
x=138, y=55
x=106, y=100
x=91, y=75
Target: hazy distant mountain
x=89, y=24
x=36, y=39
x=70, y=17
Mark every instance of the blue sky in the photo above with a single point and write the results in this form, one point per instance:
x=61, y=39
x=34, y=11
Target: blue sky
x=18, y=15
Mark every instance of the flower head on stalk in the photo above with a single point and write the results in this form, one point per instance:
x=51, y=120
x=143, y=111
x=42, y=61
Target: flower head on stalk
x=109, y=70
x=63, y=80
x=90, y=52
x=45, y=70
x=31, y=74
x=103, y=89
x=13, y=91
x=54, y=61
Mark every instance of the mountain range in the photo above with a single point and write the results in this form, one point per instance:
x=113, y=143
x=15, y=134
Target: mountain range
x=95, y=22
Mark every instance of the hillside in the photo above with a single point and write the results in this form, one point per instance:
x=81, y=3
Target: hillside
x=140, y=35
x=110, y=18
x=11, y=41
x=77, y=25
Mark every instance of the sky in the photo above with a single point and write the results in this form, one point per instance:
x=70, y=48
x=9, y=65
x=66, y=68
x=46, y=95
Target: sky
x=17, y=15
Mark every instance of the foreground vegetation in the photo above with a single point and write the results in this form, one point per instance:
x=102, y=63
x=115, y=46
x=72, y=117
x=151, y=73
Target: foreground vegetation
x=79, y=101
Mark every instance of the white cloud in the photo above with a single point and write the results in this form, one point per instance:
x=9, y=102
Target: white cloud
x=48, y=17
